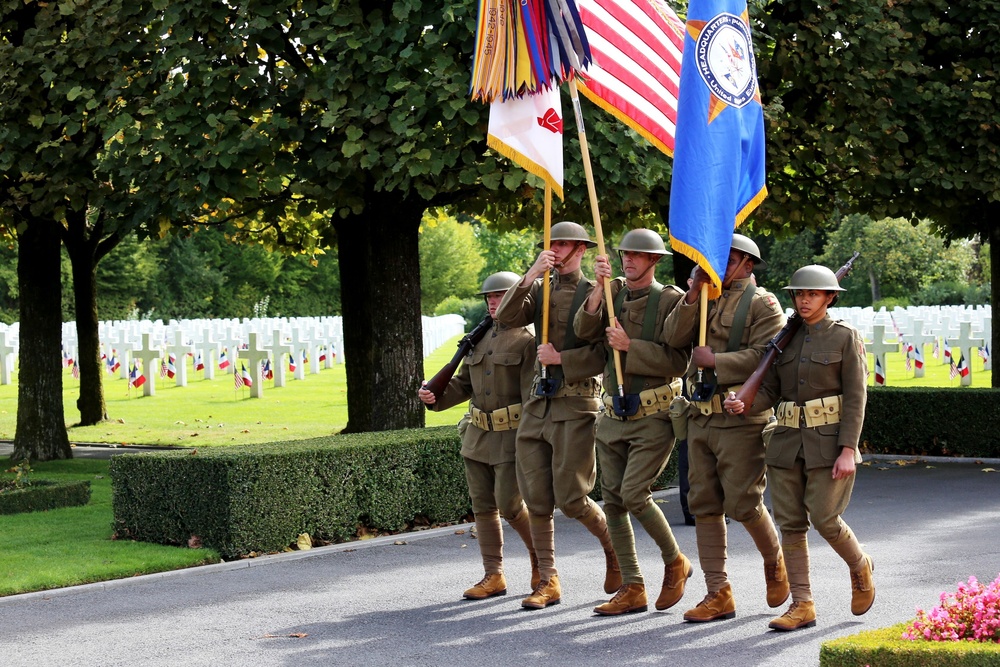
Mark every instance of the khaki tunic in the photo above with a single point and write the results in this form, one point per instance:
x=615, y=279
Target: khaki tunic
x=556, y=460
x=496, y=373
x=634, y=452
x=823, y=360
x=726, y=452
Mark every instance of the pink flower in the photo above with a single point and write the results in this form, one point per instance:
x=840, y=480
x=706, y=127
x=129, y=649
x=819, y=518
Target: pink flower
x=972, y=613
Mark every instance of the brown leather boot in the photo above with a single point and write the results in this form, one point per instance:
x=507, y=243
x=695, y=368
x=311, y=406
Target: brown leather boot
x=629, y=598
x=675, y=577
x=491, y=586
x=715, y=606
x=613, y=574
x=546, y=593
x=777, y=582
x=536, y=576
x=862, y=587
x=799, y=615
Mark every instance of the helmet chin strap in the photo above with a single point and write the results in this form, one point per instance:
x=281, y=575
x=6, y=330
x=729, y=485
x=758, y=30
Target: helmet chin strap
x=736, y=271
x=651, y=267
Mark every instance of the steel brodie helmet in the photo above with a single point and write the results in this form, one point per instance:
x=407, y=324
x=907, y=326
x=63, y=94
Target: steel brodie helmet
x=814, y=276
x=744, y=244
x=569, y=231
x=643, y=240
x=499, y=282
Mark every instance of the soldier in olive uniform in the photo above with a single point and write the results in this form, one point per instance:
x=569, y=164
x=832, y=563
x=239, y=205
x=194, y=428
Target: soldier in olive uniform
x=726, y=452
x=496, y=376
x=634, y=432
x=556, y=460
x=819, y=384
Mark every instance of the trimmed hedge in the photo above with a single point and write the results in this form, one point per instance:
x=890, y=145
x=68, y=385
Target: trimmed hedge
x=885, y=648
x=259, y=498
x=43, y=495
x=930, y=421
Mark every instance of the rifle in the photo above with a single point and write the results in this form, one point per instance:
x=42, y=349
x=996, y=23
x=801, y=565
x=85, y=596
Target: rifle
x=777, y=345
x=437, y=384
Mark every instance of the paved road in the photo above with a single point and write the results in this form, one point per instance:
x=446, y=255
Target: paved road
x=383, y=603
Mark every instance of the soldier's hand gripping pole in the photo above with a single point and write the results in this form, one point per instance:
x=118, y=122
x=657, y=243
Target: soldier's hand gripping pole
x=598, y=231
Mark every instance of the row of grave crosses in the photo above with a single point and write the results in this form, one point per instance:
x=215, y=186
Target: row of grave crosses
x=311, y=343
x=252, y=355
x=911, y=335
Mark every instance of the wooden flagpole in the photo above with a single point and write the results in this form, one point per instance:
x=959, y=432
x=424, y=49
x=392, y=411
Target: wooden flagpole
x=595, y=211
x=546, y=288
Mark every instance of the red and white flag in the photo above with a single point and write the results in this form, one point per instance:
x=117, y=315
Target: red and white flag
x=963, y=365
x=529, y=132
x=247, y=380
x=223, y=359
x=635, y=76
x=135, y=377
x=199, y=365
x=879, y=372
x=918, y=356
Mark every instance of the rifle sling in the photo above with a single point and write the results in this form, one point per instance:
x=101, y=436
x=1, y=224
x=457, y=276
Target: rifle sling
x=569, y=340
x=648, y=326
x=736, y=332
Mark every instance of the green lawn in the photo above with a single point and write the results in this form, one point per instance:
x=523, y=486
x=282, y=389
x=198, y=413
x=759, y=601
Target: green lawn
x=73, y=545
x=212, y=412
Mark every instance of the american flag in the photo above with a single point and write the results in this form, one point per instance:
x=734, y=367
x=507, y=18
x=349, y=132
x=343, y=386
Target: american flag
x=237, y=381
x=635, y=75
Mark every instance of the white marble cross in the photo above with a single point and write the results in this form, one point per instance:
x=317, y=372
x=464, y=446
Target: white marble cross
x=180, y=350
x=231, y=342
x=920, y=340
x=878, y=347
x=301, y=344
x=278, y=350
x=149, y=354
x=254, y=356
x=7, y=351
x=209, y=349
x=965, y=344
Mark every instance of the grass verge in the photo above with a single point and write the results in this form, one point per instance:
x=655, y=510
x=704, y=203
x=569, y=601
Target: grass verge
x=73, y=545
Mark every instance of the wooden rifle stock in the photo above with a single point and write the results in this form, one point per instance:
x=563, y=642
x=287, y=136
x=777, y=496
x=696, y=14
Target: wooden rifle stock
x=777, y=345
x=436, y=385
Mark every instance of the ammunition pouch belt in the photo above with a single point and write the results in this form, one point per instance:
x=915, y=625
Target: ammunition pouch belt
x=715, y=405
x=817, y=412
x=501, y=419
x=588, y=388
x=651, y=401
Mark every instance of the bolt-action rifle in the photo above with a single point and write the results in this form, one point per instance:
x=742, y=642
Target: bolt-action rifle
x=777, y=345
x=437, y=384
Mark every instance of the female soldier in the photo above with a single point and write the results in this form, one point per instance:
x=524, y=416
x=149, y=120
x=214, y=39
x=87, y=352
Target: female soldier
x=819, y=386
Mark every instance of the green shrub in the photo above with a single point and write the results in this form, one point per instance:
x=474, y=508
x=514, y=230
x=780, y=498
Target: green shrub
x=259, y=498
x=927, y=421
x=43, y=495
x=885, y=647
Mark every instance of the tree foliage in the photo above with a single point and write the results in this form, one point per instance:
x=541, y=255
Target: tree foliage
x=450, y=260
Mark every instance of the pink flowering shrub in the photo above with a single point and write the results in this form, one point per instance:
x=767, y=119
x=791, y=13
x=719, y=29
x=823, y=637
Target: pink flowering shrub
x=970, y=614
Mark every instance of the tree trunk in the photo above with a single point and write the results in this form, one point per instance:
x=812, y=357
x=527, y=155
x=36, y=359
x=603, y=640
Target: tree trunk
x=41, y=426
x=380, y=298
x=876, y=288
x=90, y=402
